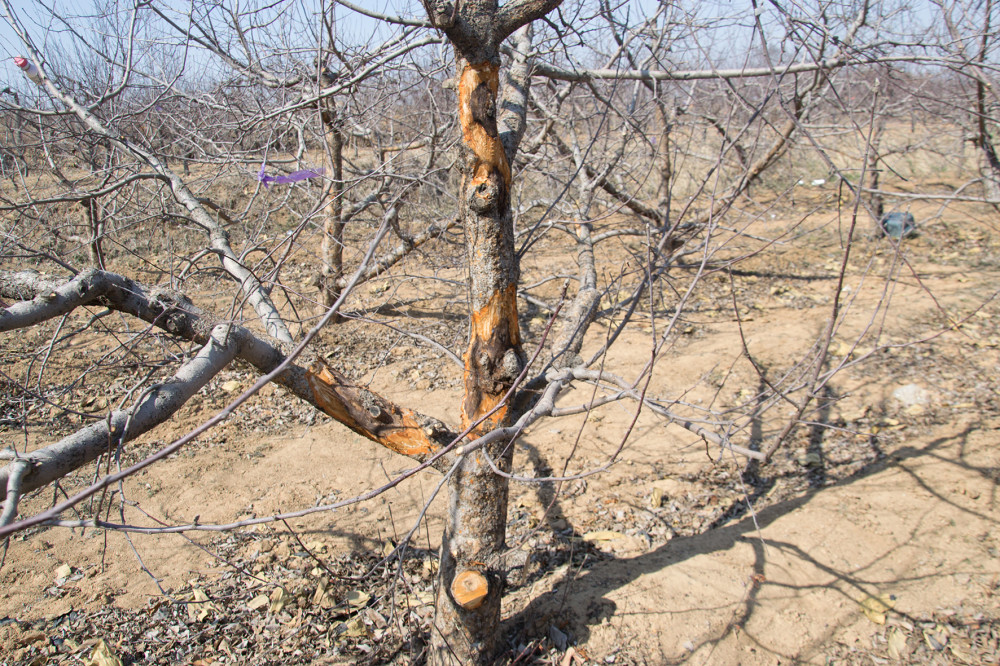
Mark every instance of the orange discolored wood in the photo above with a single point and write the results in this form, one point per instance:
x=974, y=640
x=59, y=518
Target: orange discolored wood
x=371, y=415
x=499, y=312
x=477, y=91
x=494, y=332
x=469, y=589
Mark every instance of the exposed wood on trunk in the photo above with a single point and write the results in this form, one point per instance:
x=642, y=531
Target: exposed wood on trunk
x=489, y=171
x=493, y=359
x=470, y=589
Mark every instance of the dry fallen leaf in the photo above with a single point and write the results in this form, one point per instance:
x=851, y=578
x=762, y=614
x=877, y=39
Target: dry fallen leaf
x=65, y=571
x=278, y=600
x=603, y=535
x=200, y=607
x=897, y=644
x=357, y=598
x=354, y=628
x=103, y=656
x=961, y=655
x=259, y=601
x=936, y=638
x=316, y=547
x=323, y=597
x=875, y=608
x=320, y=591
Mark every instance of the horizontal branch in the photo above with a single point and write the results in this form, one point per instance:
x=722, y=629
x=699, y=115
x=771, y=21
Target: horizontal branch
x=75, y=195
x=156, y=405
x=399, y=20
x=41, y=298
x=581, y=75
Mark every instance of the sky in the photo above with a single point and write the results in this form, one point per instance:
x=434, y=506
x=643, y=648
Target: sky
x=720, y=39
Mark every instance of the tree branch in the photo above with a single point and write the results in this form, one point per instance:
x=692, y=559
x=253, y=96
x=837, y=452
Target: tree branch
x=583, y=75
x=155, y=406
x=513, y=101
x=517, y=13
x=329, y=391
x=218, y=238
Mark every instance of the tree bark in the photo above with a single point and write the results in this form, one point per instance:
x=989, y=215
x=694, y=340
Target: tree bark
x=474, y=539
x=473, y=544
x=95, y=227
x=333, y=227
x=991, y=163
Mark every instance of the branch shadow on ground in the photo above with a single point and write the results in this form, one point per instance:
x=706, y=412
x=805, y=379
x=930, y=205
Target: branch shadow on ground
x=582, y=599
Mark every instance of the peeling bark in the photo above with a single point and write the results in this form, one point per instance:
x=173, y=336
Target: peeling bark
x=372, y=416
x=472, y=571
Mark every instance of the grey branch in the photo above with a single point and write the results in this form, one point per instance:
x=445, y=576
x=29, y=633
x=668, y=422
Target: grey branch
x=154, y=407
x=514, y=99
x=517, y=13
x=581, y=75
x=218, y=238
x=15, y=486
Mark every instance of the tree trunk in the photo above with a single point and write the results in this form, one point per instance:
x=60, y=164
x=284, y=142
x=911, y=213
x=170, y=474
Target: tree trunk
x=95, y=228
x=474, y=540
x=874, y=171
x=991, y=163
x=333, y=227
x=467, y=620
x=665, y=186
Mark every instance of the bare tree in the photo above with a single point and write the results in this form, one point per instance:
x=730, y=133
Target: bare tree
x=277, y=150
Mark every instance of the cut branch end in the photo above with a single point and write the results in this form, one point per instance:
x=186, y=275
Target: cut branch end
x=469, y=589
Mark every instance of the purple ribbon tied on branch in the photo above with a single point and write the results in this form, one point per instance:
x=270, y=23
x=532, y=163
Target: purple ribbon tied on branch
x=293, y=177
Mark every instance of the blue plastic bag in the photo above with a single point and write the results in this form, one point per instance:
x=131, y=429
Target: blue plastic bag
x=898, y=225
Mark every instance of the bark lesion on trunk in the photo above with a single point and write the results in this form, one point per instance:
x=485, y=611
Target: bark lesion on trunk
x=477, y=114
x=493, y=360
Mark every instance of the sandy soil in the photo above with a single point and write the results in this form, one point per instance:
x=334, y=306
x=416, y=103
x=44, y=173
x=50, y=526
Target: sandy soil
x=667, y=557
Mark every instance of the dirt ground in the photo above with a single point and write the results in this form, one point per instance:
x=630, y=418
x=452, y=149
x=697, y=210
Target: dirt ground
x=872, y=538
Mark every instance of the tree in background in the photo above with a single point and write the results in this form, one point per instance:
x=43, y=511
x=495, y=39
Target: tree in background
x=279, y=147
